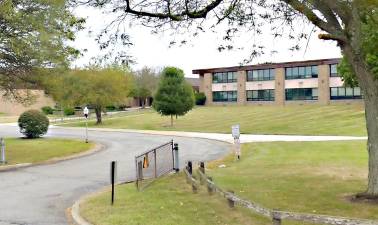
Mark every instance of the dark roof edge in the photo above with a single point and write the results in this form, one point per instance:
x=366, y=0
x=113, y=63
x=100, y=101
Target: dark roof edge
x=269, y=65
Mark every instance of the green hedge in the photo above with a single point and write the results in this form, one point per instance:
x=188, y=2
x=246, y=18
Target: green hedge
x=200, y=98
x=69, y=111
x=47, y=110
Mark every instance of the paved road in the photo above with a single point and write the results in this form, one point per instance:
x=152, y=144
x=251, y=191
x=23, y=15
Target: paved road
x=40, y=195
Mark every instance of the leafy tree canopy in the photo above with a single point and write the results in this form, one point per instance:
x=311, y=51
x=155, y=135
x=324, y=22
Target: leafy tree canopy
x=33, y=41
x=95, y=87
x=174, y=95
x=145, y=82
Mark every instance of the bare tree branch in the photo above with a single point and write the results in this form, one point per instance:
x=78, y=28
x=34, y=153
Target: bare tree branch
x=175, y=17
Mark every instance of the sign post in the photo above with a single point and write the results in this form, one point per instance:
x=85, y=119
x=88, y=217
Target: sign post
x=113, y=175
x=2, y=146
x=236, y=135
x=86, y=114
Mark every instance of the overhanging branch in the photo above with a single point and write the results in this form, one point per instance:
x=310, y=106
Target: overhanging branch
x=175, y=17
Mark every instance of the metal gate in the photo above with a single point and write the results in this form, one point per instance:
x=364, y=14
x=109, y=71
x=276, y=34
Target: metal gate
x=153, y=164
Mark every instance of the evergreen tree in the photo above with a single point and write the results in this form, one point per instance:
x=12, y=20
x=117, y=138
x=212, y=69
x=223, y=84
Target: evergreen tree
x=174, y=95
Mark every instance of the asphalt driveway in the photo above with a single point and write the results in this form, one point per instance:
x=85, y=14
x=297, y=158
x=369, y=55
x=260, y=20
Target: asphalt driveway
x=40, y=195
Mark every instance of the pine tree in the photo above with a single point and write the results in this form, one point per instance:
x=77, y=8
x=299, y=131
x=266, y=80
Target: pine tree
x=174, y=95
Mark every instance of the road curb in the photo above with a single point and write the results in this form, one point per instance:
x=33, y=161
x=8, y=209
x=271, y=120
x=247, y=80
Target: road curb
x=97, y=148
x=75, y=210
x=77, y=219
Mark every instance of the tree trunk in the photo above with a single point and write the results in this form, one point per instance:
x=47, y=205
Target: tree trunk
x=98, y=114
x=143, y=102
x=371, y=114
x=369, y=88
x=171, y=120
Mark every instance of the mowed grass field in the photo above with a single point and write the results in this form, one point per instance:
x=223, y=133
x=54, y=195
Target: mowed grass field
x=337, y=119
x=19, y=150
x=8, y=119
x=167, y=201
x=310, y=177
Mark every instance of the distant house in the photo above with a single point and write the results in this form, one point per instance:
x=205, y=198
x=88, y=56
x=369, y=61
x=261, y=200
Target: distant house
x=195, y=82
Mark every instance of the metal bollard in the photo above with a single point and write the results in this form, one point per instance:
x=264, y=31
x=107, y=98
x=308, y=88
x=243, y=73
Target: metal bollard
x=2, y=145
x=176, y=157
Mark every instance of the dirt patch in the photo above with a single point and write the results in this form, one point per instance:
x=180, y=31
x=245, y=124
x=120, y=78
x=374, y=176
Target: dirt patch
x=362, y=198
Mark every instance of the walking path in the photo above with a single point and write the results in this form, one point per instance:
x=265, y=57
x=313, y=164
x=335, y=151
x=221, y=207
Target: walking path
x=244, y=138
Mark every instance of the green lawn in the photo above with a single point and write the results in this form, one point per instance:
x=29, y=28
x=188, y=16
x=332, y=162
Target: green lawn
x=8, y=119
x=311, y=177
x=168, y=201
x=337, y=119
x=20, y=150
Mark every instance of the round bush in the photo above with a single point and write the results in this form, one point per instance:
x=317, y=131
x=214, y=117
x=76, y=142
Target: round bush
x=33, y=123
x=200, y=98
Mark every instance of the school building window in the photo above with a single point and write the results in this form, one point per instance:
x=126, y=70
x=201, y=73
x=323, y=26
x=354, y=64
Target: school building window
x=225, y=96
x=333, y=70
x=260, y=75
x=345, y=93
x=260, y=95
x=225, y=77
x=301, y=94
x=301, y=72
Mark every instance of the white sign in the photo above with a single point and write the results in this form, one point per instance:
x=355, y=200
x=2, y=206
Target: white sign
x=86, y=111
x=236, y=131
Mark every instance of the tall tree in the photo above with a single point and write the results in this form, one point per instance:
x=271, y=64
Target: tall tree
x=145, y=84
x=94, y=87
x=174, y=96
x=33, y=41
x=352, y=24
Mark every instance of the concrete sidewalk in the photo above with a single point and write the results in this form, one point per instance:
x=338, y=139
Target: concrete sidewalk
x=244, y=138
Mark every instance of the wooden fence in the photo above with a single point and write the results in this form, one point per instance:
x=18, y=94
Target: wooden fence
x=275, y=215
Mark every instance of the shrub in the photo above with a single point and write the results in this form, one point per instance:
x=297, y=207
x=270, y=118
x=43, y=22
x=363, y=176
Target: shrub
x=69, y=111
x=47, y=110
x=200, y=98
x=33, y=123
x=122, y=107
x=110, y=108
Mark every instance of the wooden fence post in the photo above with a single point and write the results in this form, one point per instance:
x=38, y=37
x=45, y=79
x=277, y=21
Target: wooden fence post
x=276, y=218
x=194, y=188
x=190, y=167
x=231, y=203
x=202, y=169
x=210, y=189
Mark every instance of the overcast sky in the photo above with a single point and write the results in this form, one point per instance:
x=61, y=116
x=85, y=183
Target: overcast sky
x=153, y=50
